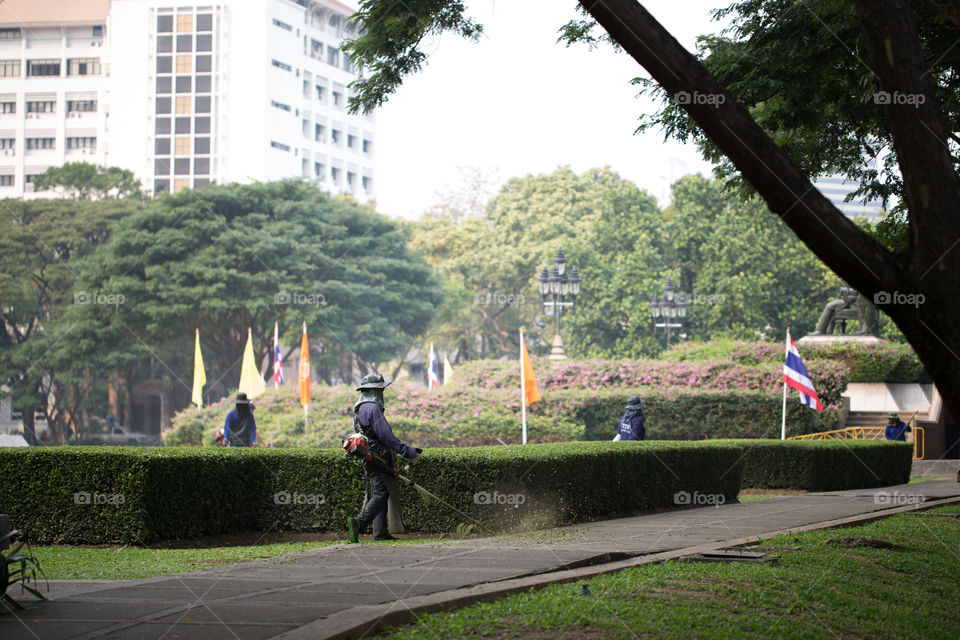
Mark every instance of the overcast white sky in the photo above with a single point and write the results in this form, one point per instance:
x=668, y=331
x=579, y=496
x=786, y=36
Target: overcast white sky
x=518, y=103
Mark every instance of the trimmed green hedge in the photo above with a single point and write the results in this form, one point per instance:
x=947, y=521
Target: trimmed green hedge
x=185, y=493
x=825, y=465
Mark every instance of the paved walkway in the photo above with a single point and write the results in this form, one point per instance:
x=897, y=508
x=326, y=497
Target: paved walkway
x=322, y=593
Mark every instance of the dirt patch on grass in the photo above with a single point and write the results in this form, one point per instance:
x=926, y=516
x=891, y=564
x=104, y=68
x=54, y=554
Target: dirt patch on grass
x=853, y=542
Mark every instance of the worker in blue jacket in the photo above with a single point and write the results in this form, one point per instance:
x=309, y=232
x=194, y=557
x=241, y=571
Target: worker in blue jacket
x=896, y=428
x=631, y=425
x=370, y=421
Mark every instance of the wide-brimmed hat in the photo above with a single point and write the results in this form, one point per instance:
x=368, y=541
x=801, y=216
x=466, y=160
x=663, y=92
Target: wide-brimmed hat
x=242, y=399
x=373, y=381
x=635, y=401
x=893, y=414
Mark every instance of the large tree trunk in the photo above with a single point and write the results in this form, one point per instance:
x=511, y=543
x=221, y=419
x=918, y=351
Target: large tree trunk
x=930, y=270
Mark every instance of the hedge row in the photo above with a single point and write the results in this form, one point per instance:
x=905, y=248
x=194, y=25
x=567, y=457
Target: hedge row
x=108, y=495
x=824, y=465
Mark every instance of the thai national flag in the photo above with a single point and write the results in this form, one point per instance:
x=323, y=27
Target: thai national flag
x=277, y=359
x=433, y=375
x=795, y=376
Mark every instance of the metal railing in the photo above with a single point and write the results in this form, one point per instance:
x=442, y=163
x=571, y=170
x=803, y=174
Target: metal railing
x=865, y=433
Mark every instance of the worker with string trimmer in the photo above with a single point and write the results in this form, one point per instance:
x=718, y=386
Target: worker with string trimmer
x=369, y=421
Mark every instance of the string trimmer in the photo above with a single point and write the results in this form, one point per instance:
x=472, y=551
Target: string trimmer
x=357, y=446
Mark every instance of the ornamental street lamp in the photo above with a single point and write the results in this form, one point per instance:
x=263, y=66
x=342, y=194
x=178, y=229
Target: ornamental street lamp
x=559, y=292
x=668, y=307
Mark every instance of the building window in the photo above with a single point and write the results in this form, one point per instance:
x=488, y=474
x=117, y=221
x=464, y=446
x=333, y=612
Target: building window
x=182, y=146
x=184, y=44
x=43, y=67
x=40, y=143
x=319, y=131
x=97, y=31
x=164, y=24
x=83, y=67
x=279, y=145
x=164, y=64
x=161, y=146
x=200, y=182
x=185, y=23
x=9, y=34
x=365, y=147
x=279, y=105
x=6, y=181
x=335, y=174
x=205, y=42
x=204, y=22
x=184, y=84
x=335, y=20
x=8, y=107
x=9, y=68
x=164, y=84
x=202, y=104
x=319, y=170
x=182, y=125
x=8, y=144
x=180, y=184
x=81, y=105
x=83, y=142
x=201, y=145
x=181, y=166
x=161, y=186
x=351, y=140
x=316, y=49
x=204, y=64
x=161, y=166
x=334, y=136
x=350, y=176
x=321, y=93
x=163, y=125
x=347, y=64
x=305, y=128
x=184, y=64
x=201, y=166
x=163, y=105
x=203, y=84
x=202, y=124
x=333, y=56
x=281, y=65
x=306, y=88
x=183, y=104
x=365, y=183
x=337, y=96
x=41, y=106
x=282, y=25
x=164, y=44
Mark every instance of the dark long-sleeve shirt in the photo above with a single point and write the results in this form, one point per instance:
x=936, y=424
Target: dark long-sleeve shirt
x=897, y=431
x=232, y=419
x=371, y=417
x=631, y=428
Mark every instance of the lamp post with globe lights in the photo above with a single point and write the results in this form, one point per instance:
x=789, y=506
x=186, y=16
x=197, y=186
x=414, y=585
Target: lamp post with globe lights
x=670, y=308
x=559, y=291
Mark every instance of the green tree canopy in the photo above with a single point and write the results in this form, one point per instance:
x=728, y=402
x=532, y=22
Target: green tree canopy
x=85, y=180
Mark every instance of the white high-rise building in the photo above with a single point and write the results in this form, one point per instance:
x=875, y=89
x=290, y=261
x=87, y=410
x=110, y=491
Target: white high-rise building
x=181, y=93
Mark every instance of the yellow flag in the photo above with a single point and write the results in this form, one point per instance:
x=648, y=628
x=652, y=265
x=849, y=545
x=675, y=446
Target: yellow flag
x=199, y=375
x=251, y=382
x=304, y=370
x=530, y=393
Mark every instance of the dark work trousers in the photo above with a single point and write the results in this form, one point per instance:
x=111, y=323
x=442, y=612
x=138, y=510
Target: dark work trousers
x=383, y=485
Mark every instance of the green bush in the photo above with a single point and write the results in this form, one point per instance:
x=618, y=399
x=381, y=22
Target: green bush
x=824, y=465
x=139, y=495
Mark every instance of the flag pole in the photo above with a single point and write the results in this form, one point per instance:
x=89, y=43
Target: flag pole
x=783, y=421
x=523, y=391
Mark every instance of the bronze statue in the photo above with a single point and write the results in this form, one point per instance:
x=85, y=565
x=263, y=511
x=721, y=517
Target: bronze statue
x=849, y=306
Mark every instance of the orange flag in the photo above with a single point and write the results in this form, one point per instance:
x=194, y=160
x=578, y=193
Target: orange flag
x=304, y=370
x=530, y=393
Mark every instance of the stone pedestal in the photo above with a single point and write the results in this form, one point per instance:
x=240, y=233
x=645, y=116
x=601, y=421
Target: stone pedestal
x=556, y=351
x=834, y=339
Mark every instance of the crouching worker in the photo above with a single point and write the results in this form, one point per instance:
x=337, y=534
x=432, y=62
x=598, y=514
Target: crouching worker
x=631, y=425
x=369, y=420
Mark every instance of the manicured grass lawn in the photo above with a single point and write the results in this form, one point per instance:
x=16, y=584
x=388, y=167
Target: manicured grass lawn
x=895, y=578
x=127, y=563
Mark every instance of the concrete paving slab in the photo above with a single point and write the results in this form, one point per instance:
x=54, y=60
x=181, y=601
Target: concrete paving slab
x=44, y=629
x=193, y=631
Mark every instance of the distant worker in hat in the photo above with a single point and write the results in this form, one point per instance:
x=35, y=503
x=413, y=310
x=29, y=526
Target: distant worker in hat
x=631, y=425
x=896, y=428
x=240, y=429
x=368, y=419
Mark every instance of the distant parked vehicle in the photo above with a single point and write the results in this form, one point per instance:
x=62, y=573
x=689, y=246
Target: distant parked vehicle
x=117, y=435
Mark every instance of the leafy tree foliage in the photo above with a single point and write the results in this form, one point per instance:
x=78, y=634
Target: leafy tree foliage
x=85, y=180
